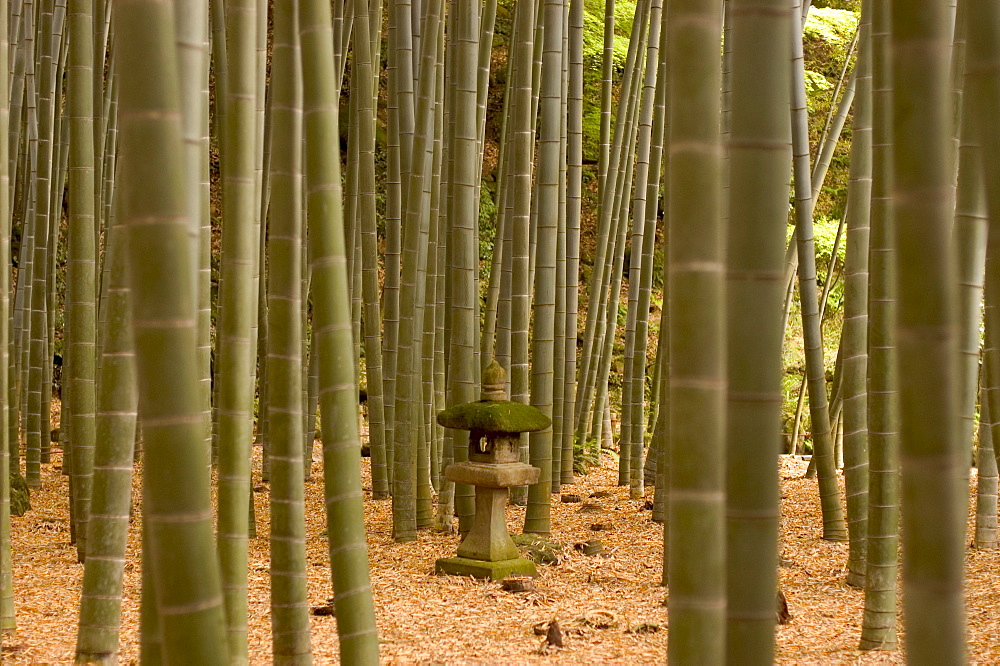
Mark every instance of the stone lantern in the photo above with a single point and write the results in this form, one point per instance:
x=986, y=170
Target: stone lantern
x=495, y=425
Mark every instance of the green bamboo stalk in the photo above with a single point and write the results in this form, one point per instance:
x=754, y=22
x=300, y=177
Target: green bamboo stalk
x=56, y=189
x=428, y=448
x=854, y=339
x=191, y=17
x=878, y=630
x=176, y=501
x=150, y=631
x=640, y=274
x=462, y=269
x=607, y=71
x=289, y=603
x=614, y=268
x=235, y=352
x=491, y=334
x=610, y=197
x=759, y=158
x=261, y=193
x=446, y=489
x=338, y=399
x=696, y=559
x=521, y=150
x=8, y=622
x=436, y=290
x=834, y=525
x=107, y=532
x=986, y=488
x=574, y=201
x=412, y=296
x=29, y=196
x=56, y=249
x=933, y=491
x=101, y=85
x=651, y=465
x=659, y=445
x=429, y=470
x=393, y=238
x=560, y=424
x=536, y=518
x=38, y=357
x=983, y=86
x=369, y=246
x=15, y=97
x=220, y=71
x=837, y=117
x=969, y=236
x=81, y=286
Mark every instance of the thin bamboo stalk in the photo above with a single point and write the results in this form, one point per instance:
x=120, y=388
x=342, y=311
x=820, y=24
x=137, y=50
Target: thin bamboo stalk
x=81, y=278
x=878, y=630
x=237, y=294
x=338, y=399
x=854, y=339
x=834, y=525
x=8, y=621
x=289, y=598
x=100, y=607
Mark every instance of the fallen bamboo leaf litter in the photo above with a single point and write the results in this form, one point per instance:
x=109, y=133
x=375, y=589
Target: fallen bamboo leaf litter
x=426, y=618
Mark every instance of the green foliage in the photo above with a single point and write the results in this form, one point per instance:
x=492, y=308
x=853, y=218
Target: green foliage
x=825, y=230
x=585, y=455
x=592, y=129
x=850, y=5
x=832, y=29
x=827, y=34
x=818, y=90
x=487, y=223
x=825, y=235
x=593, y=32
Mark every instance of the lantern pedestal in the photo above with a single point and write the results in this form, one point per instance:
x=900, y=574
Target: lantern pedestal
x=495, y=426
x=463, y=566
x=487, y=550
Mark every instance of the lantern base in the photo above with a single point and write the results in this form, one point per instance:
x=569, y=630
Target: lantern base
x=463, y=566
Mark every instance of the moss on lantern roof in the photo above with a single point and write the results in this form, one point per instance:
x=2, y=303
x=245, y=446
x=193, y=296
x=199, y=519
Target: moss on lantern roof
x=494, y=417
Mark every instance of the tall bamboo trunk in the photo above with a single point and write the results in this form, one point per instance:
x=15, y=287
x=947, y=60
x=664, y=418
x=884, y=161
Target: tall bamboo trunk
x=7, y=619
x=236, y=319
x=854, y=340
x=81, y=296
x=543, y=332
x=462, y=271
x=879, y=620
x=697, y=588
x=100, y=607
x=934, y=490
x=759, y=165
x=332, y=343
x=176, y=501
x=289, y=603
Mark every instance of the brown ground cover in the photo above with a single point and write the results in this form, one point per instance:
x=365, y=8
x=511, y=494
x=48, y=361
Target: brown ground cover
x=611, y=609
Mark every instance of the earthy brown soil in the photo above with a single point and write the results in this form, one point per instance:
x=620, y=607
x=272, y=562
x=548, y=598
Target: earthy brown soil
x=611, y=609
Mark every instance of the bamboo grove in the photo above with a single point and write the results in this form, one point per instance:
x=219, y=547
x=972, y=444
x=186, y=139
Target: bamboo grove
x=230, y=218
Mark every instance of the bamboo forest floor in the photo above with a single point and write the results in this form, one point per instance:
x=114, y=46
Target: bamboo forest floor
x=611, y=609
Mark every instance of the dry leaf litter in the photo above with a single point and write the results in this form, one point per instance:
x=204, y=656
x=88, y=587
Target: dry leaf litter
x=610, y=608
